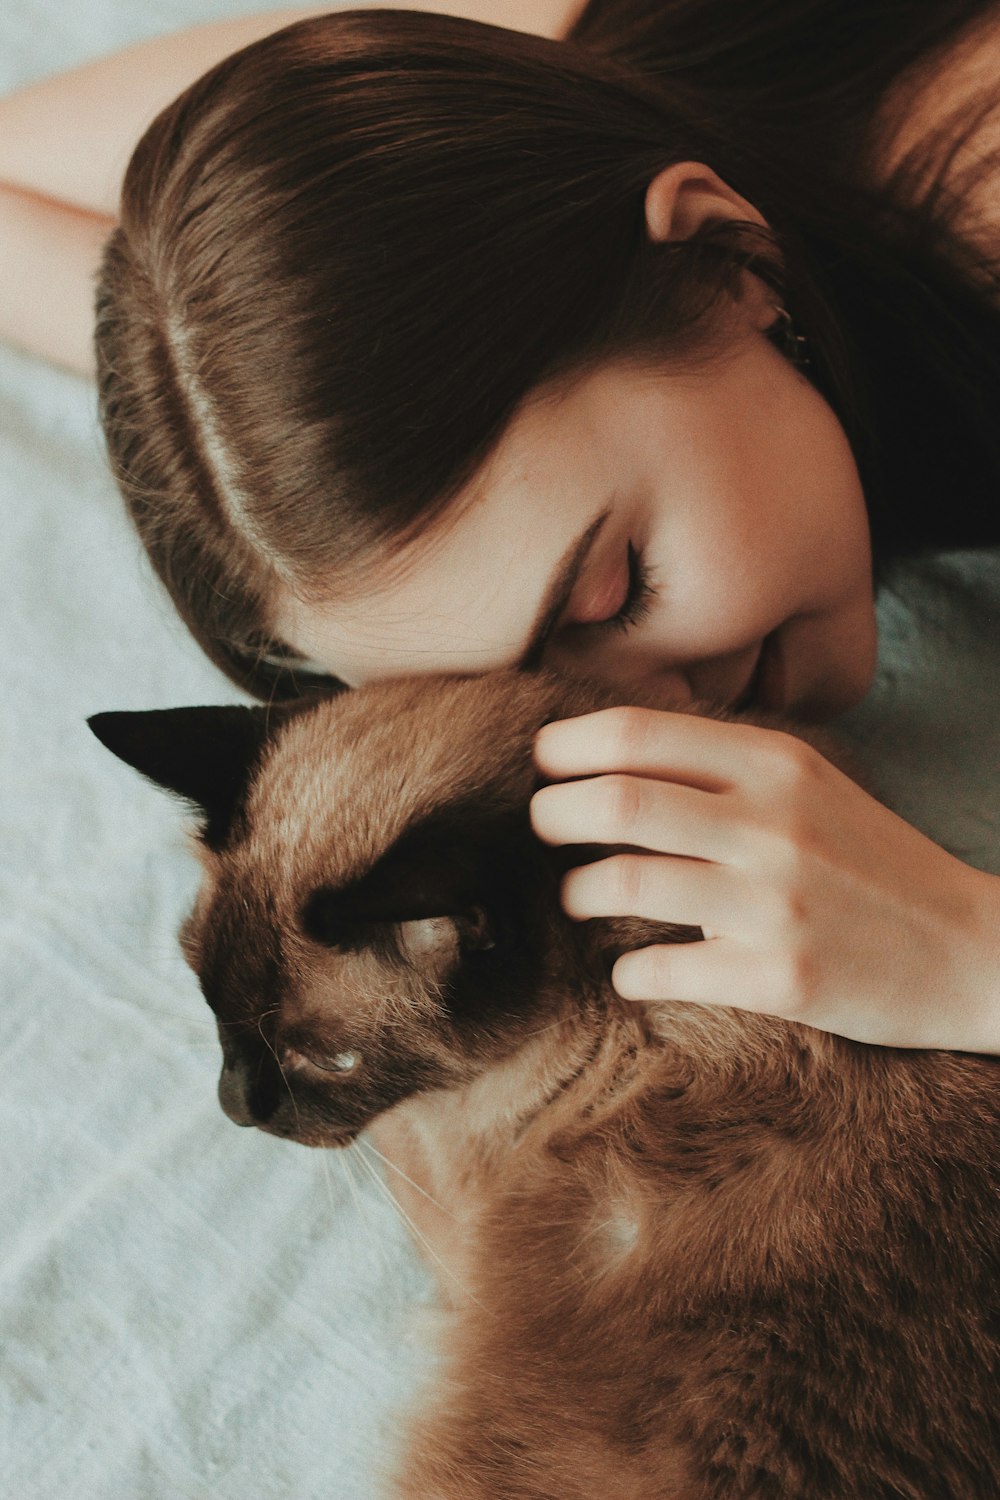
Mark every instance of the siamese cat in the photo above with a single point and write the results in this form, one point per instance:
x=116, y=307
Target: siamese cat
x=693, y=1253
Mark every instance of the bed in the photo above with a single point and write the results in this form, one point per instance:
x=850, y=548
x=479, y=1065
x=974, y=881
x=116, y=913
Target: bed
x=187, y=1309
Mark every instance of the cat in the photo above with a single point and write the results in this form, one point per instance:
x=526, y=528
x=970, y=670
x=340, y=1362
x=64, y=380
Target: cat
x=689, y=1253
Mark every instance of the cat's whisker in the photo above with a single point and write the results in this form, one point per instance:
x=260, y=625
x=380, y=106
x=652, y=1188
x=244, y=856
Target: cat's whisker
x=273, y=1052
x=362, y=1142
x=542, y=1029
x=383, y=1188
x=202, y=1026
x=140, y=1007
x=349, y=1179
x=328, y=1182
x=593, y=1230
x=242, y=1025
x=362, y=1209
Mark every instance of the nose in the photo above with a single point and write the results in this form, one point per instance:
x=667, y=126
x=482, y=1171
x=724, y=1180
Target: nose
x=248, y=1093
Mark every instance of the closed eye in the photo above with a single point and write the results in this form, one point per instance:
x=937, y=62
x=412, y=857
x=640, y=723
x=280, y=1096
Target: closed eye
x=634, y=608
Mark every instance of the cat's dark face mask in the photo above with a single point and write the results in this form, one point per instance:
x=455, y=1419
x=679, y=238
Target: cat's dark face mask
x=377, y=918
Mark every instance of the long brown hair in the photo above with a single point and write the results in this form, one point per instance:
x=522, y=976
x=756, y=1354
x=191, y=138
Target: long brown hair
x=349, y=252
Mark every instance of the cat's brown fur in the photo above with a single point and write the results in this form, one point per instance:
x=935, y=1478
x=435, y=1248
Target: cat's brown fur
x=692, y=1252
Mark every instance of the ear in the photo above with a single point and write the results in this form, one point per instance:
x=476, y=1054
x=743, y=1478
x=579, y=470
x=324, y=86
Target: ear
x=688, y=194
x=206, y=755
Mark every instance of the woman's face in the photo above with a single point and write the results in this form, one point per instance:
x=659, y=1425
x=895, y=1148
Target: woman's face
x=703, y=534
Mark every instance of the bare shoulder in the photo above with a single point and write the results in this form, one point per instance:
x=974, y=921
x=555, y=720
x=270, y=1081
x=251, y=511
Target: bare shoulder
x=938, y=94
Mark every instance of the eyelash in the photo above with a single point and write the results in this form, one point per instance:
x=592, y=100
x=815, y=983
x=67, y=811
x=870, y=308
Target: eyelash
x=638, y=600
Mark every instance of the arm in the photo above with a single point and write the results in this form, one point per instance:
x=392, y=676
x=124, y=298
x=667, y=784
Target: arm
x=65, y=143
x=50, y=253
x=64, y=146
x=69, y=138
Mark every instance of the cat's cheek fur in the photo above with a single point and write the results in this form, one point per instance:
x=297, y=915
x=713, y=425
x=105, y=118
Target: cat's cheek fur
x=324, y=1004
x=193, y=924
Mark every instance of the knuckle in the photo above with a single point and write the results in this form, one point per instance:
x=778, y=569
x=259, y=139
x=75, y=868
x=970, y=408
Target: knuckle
x=793, y=909
x=785, y=903
x=626, y=881
x=800, y=844
x=621, y=805
x=792, y=764
x=793, y=981
x=779, y=815
x=627, y=728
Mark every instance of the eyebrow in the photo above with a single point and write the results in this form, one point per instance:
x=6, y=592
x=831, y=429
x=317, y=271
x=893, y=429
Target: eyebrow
x=558, y=592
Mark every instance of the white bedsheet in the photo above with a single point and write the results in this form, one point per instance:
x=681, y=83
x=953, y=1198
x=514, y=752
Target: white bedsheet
x=187, y=1309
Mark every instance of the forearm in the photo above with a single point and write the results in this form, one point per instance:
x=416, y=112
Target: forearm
x=49, y=253
x=69, y=137
x=64, y=145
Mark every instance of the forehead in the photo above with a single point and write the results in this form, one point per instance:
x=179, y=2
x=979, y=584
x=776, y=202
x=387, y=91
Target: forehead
x=463, y=598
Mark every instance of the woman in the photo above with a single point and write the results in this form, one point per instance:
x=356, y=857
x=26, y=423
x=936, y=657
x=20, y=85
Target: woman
x=428, y=347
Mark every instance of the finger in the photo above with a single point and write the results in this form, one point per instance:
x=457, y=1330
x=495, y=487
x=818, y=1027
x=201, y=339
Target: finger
x=712, y=754
x=692, y=892
x=656, y=815
x=719, y=971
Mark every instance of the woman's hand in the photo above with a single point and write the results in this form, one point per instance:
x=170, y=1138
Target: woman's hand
x=817, y=903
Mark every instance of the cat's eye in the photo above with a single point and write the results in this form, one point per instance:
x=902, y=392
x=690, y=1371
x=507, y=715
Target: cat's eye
x=339, y=1062
x=293, y=1058
x=327, y=918
x=475, y=930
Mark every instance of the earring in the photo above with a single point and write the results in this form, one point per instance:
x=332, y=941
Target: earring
x=792, y=344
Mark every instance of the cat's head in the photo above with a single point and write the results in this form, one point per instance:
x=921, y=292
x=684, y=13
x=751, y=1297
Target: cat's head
x=376, y=916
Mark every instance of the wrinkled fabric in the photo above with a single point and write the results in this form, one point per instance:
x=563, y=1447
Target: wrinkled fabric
x=187, y=1310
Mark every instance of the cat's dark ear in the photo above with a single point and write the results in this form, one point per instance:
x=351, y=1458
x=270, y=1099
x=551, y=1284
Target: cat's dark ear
x=205, y=755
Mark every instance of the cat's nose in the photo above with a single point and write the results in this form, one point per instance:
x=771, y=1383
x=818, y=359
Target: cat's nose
x=234, y=1095
x=243, y=1092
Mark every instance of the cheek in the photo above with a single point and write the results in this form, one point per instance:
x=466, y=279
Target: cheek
x=825, y=513
x=735, y=566
x=795, y=539
x=725, y=583
x=794, y=493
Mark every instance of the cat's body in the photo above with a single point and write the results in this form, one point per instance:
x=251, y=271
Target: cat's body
x=720, y=1265
x=690, y=1252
